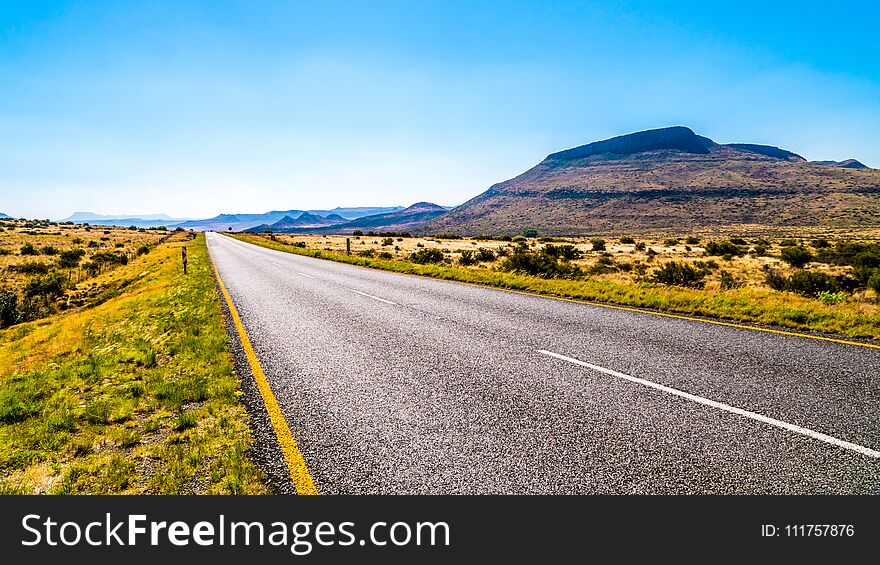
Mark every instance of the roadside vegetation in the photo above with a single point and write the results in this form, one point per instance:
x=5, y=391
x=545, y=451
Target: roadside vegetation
x=809, y=283
x=131, y=392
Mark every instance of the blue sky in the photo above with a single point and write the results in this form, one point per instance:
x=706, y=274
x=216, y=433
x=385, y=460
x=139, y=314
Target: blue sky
x=197, y=108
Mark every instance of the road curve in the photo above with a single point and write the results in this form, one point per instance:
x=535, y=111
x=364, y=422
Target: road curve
x=393, y=384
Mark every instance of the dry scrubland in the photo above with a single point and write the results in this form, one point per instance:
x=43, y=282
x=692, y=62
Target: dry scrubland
x=131, y=392
x=818, y=281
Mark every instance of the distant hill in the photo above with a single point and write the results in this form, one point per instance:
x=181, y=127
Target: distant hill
x=669, y=179
x=305, y=220
x=2, y=216
x=412, y=218
x=91, y=217
x=243, y=222
x=847, y=164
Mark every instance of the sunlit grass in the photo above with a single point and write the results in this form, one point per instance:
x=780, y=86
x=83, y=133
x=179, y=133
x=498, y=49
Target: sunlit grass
x=134, y=395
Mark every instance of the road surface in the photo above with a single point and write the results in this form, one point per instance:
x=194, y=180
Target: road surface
x=399, y=384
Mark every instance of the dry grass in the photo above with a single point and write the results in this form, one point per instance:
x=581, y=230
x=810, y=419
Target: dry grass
x=751, y=300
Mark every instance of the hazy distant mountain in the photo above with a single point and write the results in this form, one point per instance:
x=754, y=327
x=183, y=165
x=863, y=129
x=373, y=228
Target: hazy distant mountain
x=79, y=217
x=2, y=215
x=243, y=222
x=847, y=164
x=669, y=179
x=305, y=220
x=412, y=218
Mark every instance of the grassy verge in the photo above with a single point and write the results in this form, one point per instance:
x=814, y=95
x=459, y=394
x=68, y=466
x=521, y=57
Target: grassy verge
x=760, y=306
x=134, y=395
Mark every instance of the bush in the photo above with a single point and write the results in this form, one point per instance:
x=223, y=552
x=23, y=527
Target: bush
x=385, y=255
x=357, y=233
x=467, y=258
x=4, y=251
x=28, y=249
x=108, y=258
x=738, y=241
x=530, y=233
x=820, y=244
x=723, y=248
x=143, y=250
x=48, y=286
x=71, y=258
x=483, y=254
x=30, y=268
x=627, y=240
x=831, y=298
x=9, y=313
x=808, y=283
x=447, y=236
x=538, y=263
x=680, y=274
x=567, y=252
x=760, y=250
x=425, y=256
x=692, y=240
x=874, y=282
x=670, y=242
x=388, y=241
x=92, y=244
x=728, y=281
x=299, y=244
x=797, y=256
x=598, y=244
x=366, y=253
x=640, y=246
x=49, y=250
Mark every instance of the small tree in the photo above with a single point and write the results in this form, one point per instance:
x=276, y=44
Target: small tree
x=797, y=256
x=598, y=244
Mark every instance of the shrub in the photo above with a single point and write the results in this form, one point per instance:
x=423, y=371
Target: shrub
x=760, y=250
x=447, y=236
x=728, y=281
x=538, y=263
x=738, y=241
x=627, y=240
x=484, y=254
x=567, y=252
x=797, y=256
x=106, y=257
x=385, y=255
x=388, y=241
x=28, y=249
x=808, y=283
x=518, y=238
x=143, y=250
x=467, y=258
x=357, y=233
x=9, y=313
x=692, y=240
x=598, y=244
x=48, y=286
x=640, y=246
x=530, y=233
x=820, y=243
x=831, y=298
x=425, y=256
x=788, y=243
x=4, y=251
x=723, y=248
x=670, y=242
x=299, y=244
x=366, y=253
x=92, y=244
x=49, y=250
x=30, y=268
x=680, y=274
x=874, y=282
x=71, y=258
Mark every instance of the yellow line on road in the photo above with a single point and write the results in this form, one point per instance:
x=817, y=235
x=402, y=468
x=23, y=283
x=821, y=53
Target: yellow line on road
x=299, y=472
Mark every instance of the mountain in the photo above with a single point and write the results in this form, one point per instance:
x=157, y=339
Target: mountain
x=847, y=164
x=412, y=218
x=4, y=216
x=91, y=217
x=243, y=222
x=669, y=179
x=305, y=220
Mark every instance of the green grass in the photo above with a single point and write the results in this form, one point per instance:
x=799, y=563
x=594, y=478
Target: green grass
x=752, y=305
x=134, y=395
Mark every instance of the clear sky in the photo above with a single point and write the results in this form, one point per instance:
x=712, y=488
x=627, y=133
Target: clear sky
x=197, y=108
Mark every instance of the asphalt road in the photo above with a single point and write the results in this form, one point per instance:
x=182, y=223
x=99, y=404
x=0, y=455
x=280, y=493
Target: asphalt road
x=404, y=385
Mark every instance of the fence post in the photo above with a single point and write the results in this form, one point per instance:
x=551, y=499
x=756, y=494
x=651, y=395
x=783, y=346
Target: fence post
x=347, y=246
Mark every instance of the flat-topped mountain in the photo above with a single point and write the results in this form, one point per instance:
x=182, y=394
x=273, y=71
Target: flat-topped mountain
x=847, y=164
x=669, y=179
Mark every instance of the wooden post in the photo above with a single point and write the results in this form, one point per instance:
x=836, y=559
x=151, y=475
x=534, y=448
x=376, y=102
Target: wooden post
x=347, y=246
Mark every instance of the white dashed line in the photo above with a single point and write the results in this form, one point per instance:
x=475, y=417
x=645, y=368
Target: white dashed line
x=373, y=297
x=721, y=406
x=305, y=275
